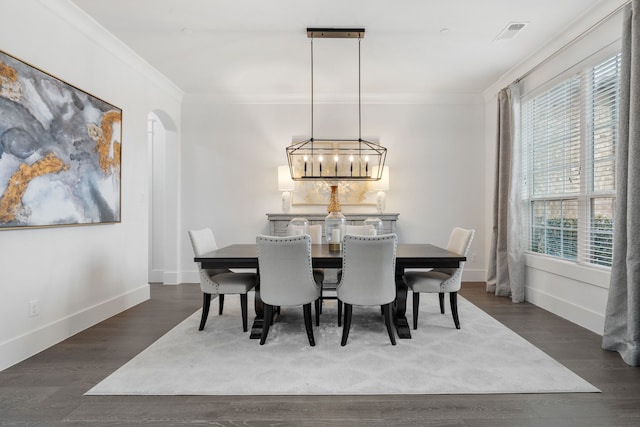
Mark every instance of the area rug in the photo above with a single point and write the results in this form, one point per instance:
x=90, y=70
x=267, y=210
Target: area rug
x=482, y=357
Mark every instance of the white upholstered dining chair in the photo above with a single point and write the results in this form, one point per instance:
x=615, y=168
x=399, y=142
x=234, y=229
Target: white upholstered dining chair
x=218, y=282
x=368, y=277
x=441, y=280
x=315, y=232
x=354, y=230
x=286, y=278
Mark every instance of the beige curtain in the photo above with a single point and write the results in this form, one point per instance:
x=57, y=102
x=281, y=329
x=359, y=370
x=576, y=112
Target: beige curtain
x=506, y=259
x=622, y=319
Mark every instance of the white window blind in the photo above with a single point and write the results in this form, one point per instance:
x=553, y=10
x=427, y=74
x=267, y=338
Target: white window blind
x=605, y=89
x=569, y=134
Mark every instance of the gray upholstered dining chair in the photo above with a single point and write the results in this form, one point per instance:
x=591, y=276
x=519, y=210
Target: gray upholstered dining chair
x=219, y=281
x=286, y=278
x=441, y=280
x=315, y=231
x=368, y=277
x=354, y=230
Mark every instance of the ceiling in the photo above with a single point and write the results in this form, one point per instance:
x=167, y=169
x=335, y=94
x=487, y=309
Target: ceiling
x=260, y=47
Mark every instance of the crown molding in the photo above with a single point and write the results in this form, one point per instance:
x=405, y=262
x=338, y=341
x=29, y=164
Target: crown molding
x=77, y=18
x=333, y=99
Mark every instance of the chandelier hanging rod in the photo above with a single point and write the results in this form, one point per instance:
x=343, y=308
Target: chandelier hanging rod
x=337, y=33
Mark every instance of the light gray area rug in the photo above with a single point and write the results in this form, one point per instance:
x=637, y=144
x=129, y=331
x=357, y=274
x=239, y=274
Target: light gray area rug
x=482, y=357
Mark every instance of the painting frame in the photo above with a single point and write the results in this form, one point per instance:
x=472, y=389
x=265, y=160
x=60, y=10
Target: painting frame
x=60, y=151
x=350, y=193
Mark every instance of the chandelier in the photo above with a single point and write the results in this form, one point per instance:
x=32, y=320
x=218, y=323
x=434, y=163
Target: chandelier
x=336, y=159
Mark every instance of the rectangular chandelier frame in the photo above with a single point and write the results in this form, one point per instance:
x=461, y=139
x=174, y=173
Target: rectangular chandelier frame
x=339, y=160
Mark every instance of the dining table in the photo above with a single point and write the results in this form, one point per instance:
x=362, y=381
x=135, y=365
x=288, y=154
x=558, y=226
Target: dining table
x=408, y=255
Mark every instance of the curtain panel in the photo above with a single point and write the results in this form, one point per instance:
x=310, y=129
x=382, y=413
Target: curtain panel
x=506, y=259
x=622, y=317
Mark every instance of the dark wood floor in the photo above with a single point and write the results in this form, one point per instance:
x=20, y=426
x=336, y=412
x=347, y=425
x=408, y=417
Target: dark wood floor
x=47, y=389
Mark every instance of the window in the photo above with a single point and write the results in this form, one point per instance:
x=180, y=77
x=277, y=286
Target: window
x=569, y=135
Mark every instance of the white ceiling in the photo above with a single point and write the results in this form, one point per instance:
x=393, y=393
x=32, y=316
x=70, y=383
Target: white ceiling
x=260, y=47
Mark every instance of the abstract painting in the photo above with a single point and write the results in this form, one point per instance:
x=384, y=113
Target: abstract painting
x=319, y=193
x=59, y=151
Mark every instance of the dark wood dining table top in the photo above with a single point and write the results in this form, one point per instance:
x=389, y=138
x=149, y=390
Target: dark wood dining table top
x=408, y=255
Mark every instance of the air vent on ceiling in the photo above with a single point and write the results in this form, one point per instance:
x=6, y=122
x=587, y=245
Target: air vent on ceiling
x=511, y=30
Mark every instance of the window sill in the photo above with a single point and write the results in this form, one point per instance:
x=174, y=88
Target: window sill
x=591, y=275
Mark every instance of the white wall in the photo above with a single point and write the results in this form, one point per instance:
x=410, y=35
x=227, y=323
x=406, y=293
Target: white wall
x=574, y=292
x=435, y=149
x=83, y=274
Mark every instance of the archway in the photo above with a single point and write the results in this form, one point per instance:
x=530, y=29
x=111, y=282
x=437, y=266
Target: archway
x=164, y=218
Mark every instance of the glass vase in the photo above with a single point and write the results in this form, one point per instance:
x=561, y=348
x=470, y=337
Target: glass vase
x=335, y=222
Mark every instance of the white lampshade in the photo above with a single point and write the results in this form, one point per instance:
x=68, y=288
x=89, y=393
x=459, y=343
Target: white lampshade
x=383, y=183
x=285, y=183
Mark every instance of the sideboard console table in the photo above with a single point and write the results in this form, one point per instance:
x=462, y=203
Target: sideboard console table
x=278, y=221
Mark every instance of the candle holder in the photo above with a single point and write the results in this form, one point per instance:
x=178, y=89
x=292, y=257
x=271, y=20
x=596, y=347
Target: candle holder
x=373, y=226
x=335, y=222
x=298, y=227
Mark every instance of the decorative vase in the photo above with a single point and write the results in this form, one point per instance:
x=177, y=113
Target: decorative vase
x=335, y=222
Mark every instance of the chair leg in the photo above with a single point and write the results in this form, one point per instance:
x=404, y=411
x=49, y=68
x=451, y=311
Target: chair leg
x=268, y=318
x=243, y=309
x=318, y=305
x=206, y=302
x=453, y=300
x=339, y=313
x=387, y=320
x=348, y=310
x=220, y=303
x=416, y=307
x=441, y=297
x=307, y=323
x=321, y=296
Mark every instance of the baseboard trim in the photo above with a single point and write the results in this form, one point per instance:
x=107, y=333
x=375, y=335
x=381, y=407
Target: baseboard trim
x=171, y=278
x=474, y=275
x=155, y=276
x=27, y=345
x=581, y=316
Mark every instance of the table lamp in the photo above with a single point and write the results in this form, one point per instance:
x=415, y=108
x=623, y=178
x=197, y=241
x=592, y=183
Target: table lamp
x=286, y=185
x=381, y=186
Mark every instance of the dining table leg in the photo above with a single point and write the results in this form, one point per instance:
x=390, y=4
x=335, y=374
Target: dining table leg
x=400, y=307
x=258, y=322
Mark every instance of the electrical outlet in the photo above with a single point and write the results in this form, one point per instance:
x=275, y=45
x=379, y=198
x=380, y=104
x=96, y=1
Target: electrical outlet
x=34, y=308
x=474, y=257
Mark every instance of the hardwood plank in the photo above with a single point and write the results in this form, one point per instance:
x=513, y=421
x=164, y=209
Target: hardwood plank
x=47, y=389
